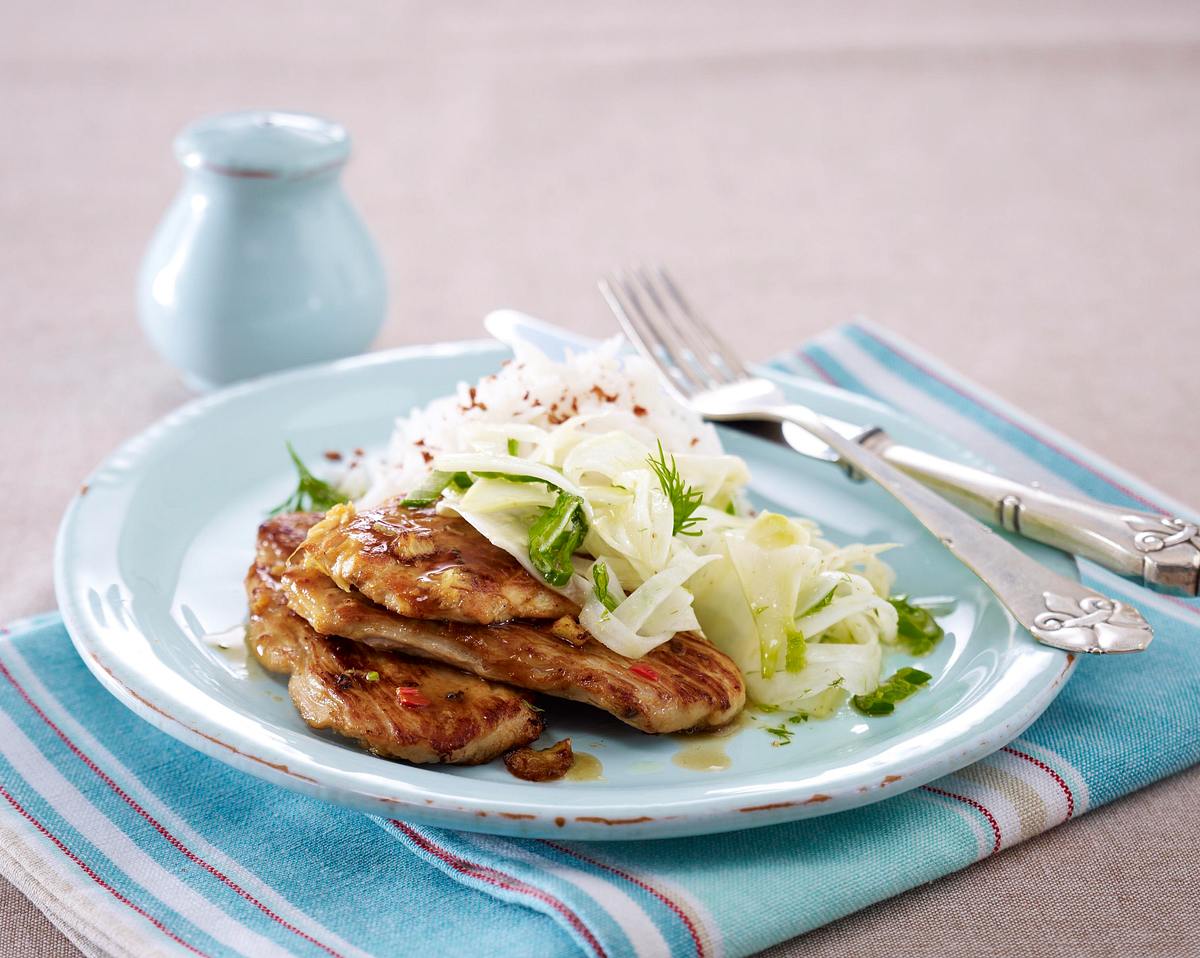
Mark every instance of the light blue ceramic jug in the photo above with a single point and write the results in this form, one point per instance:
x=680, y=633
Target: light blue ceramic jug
x=260, y=263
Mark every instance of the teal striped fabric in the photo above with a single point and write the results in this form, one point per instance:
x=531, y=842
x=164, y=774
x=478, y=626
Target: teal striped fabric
x=138, y=846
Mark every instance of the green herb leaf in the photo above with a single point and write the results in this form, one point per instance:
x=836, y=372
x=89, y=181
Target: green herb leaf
x=513, y=447
x=555, y=536
x=312, y=494
x=797, y=652
x=798, y=718
x=783, y=734
x=372, y=676
x=822, y=602
x=917, y=630
x=684, y=499
x=883, y=700
x=600, y=586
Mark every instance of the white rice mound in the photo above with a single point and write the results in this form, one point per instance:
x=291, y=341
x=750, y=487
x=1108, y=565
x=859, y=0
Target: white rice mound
x=595, y=391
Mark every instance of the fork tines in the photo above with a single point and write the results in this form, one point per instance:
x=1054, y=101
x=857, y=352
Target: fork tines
x=668, y=332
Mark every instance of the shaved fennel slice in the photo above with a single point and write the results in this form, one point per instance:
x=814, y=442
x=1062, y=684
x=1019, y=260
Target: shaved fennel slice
x=717, y=477
x=499, y=495
x=770, y=580
x=854, y=668
x=492, y=438
x=659, y=604
x=605, y=456
x=861, y=598
x=509, y=466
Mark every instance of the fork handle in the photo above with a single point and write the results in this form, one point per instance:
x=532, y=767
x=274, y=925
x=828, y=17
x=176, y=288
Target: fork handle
x=1161, y=552
x=1057, y=611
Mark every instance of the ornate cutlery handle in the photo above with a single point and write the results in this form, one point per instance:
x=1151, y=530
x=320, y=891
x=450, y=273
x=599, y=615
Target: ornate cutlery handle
x=1057, y=611
x=1161, y=552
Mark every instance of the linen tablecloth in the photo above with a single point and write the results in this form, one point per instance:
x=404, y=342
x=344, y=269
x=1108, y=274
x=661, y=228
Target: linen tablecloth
x=1013, y=186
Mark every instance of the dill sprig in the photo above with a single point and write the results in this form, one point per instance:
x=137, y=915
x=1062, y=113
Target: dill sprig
x=312, y=494
x=684, y=499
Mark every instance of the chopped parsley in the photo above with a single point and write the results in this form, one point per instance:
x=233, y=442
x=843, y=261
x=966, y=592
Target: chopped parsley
x=782, y=734
x=918, y=631
x=312, y=494
x=684, y=499
x=555, y=536
x=513, y=447
x=798, y=718
x=600, y=586
x=883, y=700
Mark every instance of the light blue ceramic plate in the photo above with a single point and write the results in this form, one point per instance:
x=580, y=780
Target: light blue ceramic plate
x=149, y=577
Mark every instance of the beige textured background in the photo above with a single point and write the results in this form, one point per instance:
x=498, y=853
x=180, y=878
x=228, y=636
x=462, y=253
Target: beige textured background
x=1015, y=186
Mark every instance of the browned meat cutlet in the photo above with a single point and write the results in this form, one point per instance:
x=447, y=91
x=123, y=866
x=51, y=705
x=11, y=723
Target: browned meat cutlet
x=426, y=566
x=276, y=636
x=683, y=684
x=402, y=708
x=391, y=704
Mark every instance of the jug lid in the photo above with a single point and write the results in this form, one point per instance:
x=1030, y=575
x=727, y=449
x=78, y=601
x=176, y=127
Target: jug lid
x=263, y=144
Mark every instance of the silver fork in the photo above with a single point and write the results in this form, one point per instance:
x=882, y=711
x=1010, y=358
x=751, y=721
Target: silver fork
x=710, y=377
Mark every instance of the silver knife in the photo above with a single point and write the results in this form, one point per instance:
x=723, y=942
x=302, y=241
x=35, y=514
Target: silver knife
x=1158, y=551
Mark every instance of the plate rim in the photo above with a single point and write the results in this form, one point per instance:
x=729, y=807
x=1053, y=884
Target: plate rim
x=770, y=804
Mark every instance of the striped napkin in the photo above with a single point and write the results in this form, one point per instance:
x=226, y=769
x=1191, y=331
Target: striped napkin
x=135, y=845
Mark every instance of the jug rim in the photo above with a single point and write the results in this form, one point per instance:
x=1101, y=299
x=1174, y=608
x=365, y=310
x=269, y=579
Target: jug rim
x=263, y=144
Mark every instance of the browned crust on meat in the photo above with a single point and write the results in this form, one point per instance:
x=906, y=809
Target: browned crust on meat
x=427, y=566
x=541, y=764
x=570, y=631
x=275, y=635
x=280, y=536
x=683, y=684
x=443, y=715
x=367, y=695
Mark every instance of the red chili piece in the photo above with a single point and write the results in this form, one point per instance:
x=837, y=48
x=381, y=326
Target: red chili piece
x=411, y=696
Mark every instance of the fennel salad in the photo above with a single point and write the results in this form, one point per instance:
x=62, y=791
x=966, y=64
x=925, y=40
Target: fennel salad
x=616, y=495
